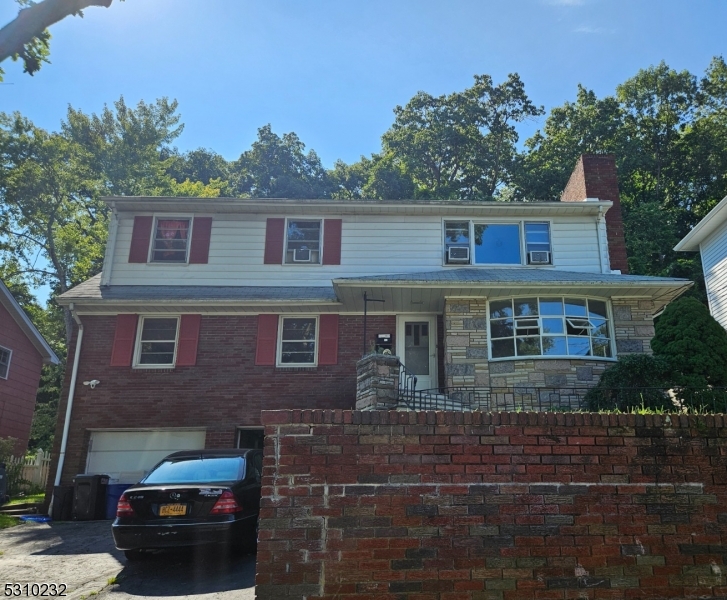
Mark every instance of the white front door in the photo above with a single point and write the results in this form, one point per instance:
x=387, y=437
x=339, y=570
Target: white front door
x=416, y=346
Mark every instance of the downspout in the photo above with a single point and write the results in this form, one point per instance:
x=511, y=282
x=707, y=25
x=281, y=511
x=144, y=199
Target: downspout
x=599, y=221
x=71, y=394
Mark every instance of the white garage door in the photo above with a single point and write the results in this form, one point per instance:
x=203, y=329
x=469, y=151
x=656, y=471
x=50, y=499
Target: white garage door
x=126, y=456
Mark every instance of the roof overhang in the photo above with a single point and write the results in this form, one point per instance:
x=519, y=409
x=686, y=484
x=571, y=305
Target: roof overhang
x=286, y=206
x=26, y=325
x=707, y=226
x=428, y=296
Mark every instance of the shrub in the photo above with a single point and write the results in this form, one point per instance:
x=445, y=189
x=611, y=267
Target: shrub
x=635, y=380
x=692, y=343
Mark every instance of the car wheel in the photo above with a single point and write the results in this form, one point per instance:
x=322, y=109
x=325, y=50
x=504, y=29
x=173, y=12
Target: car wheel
x=133, y=555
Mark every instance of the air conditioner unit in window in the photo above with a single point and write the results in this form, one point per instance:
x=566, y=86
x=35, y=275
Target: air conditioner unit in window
x=458, y=254
x=539, y=258
x=301, y=255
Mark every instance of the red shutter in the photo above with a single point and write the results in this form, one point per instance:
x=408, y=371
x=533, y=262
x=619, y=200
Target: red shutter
x=123, y=349
x=274, y=241
x=200, y=248
x=332, y=241
x=188, y=337
x=140, y=238
x=267, y=339
x=328, y=340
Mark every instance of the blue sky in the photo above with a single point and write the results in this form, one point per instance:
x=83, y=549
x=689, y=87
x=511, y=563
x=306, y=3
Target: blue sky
x=332, y=71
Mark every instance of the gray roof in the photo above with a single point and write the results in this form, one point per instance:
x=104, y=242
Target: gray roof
x=23, y=321
x=521, y=275
x=92, y=291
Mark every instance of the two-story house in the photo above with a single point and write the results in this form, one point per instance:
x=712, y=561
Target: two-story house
x=210, y=310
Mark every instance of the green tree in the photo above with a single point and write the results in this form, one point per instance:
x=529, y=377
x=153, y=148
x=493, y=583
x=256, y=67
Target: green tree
x=279, y=167
x=27, y=37
x=693, y=344
x=460, y=145
x=199, y=166
x=53, y=223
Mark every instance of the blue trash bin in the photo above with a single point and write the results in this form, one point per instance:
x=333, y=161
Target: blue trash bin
x=113, y=493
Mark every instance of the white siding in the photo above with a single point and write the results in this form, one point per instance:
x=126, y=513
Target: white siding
x=714, y=263
x=371, y=245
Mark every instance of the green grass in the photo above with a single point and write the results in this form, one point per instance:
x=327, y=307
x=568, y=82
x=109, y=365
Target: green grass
x=7, y=521
x=30, y=499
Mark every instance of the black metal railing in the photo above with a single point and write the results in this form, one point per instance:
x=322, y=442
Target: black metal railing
x=563, y=399
x=407, y=385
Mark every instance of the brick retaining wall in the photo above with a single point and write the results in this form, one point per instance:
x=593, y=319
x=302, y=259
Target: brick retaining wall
x=474, y=506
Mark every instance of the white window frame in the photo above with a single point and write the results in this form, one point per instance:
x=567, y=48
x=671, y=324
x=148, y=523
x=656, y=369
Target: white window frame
x=157, y=218
x=320, y=242
x=279, y=350
x=10, y=358
x=609, y=318
x=137, y=344
x=496, y=221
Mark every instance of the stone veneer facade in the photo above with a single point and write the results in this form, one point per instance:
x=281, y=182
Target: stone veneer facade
x=466, y=349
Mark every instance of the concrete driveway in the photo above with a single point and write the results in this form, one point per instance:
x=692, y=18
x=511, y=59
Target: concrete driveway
x=82, y=555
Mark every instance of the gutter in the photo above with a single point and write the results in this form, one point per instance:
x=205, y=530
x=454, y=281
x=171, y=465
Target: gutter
x=69, y=405
x=599, y=222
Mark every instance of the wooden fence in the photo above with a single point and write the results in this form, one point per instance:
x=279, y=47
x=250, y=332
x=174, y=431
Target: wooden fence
x=32, y=471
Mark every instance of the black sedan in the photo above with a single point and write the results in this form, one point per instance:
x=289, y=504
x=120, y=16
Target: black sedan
x=191, y=498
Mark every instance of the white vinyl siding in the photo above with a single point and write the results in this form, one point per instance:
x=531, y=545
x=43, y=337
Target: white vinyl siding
x=370, y=245
x=714, y=263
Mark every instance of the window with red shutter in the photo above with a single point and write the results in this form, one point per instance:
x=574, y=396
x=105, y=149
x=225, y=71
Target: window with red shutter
x=274, y=241
x=267, y=339
x=200, y=246
x=140, y=239
x=332, y=241
x=124, y=338
x=189, y=326
x=328, y=340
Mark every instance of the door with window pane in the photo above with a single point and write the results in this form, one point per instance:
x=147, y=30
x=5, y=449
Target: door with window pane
x=416, y=343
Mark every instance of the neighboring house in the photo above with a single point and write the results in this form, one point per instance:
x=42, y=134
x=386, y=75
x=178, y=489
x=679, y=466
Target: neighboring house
x=23, y=352
x=210, y=310
x=709, y=237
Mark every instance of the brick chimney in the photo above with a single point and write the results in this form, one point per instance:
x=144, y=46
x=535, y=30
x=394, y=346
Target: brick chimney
x=595, y=177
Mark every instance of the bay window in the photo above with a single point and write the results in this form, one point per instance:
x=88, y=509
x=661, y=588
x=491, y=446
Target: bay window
x=549, y=326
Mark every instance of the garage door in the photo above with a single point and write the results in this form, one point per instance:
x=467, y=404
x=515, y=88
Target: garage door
x=126, y=456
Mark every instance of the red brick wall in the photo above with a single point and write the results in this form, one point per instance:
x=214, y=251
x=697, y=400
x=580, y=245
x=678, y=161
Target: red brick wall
x=17, y=392
x=223, y=391
x=507, y=506
x=595, y=176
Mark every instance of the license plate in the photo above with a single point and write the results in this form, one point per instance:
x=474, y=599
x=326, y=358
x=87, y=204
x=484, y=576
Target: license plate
x=172, y=510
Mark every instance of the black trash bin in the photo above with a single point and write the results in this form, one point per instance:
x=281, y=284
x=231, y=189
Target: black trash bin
x=89, y=497
x=62, y=509
x=3, y=485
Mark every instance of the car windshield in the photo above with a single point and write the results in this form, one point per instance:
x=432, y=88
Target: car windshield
x=198, y=470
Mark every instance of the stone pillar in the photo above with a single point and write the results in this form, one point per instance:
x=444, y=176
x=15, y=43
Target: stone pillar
x=377, y=382
x=465, y=342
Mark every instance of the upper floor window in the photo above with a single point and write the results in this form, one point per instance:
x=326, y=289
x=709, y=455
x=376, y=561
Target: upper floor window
x=303, y=241
x=5, y=355
x=298, y=341
x=171, y=240
x=157, y=342
x=549, y=327
x=515, y=243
